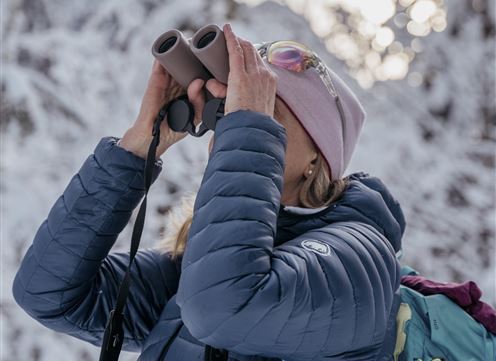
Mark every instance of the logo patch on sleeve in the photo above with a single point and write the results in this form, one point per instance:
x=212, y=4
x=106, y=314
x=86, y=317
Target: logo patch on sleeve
x=318, y=247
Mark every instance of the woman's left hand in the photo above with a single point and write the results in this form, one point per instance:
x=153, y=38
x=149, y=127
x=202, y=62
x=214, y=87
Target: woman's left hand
x=251, y=84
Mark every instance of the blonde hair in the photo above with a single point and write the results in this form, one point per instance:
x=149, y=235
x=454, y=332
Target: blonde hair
x=316, y=191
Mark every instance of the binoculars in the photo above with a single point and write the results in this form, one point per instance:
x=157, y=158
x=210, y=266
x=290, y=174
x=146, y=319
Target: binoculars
x=204, y=56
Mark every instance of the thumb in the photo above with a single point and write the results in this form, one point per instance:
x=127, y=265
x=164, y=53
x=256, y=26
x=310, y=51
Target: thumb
x=197, y=97
x=217, y=89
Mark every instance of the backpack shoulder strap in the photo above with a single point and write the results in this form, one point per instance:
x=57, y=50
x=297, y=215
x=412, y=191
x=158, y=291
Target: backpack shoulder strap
x=408, y=271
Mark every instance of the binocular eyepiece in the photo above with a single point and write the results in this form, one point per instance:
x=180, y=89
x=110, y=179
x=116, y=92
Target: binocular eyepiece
x=204, y=56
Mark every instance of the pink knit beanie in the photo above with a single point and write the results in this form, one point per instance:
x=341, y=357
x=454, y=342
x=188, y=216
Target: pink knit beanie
x=308, y=98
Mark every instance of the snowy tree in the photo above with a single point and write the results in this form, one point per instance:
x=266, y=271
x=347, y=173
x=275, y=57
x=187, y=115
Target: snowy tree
x=73, y=72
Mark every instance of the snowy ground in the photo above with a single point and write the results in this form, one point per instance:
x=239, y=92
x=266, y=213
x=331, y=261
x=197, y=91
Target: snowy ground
x=74, y=72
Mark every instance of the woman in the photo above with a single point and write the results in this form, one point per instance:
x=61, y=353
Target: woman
x=282, y=258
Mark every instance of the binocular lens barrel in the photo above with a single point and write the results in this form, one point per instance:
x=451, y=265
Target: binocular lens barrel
x=173, y=51
x=202, y=56
x=209, y=46
x=167, y=44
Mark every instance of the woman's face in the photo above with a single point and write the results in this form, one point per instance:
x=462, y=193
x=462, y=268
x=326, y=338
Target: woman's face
x=300, y=153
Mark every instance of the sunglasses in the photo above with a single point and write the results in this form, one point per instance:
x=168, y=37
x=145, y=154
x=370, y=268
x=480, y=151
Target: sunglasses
x=297, y=57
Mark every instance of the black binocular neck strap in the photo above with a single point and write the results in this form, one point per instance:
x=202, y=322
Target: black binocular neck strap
x=114, y=333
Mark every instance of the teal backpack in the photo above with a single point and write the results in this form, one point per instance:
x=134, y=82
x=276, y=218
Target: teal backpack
x=435, y=328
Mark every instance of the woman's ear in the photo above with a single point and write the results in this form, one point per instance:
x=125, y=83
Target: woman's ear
x=314, y=158
x=310, y=168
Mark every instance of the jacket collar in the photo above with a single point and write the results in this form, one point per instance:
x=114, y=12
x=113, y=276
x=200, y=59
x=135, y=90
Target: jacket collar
x=366, y=199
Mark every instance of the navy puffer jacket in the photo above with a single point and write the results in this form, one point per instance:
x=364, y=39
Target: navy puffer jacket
x=256, y=279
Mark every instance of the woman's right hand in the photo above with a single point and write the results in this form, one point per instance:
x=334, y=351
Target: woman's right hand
x=161, y=88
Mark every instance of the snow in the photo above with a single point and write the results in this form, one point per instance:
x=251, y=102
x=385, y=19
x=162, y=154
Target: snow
x=74, y=72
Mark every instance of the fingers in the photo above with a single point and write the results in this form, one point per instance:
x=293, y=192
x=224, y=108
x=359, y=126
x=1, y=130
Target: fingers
x=242, y=53
x=159, y=77
x=157, y=68
x=217, y=89
x=261, y=63
x=250, y=56
x=197, y=98
x=263, y=67
x=236, y=57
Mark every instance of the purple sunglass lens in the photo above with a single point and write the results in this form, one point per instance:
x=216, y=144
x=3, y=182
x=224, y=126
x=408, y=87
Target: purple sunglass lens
x=288, y=57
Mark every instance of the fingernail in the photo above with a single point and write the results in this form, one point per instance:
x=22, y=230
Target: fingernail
x=228, y=25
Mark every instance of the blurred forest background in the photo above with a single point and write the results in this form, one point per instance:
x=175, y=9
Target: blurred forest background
x=75, y=71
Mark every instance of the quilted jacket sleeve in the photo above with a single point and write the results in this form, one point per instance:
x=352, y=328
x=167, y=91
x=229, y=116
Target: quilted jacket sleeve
x=67, y=280
x=239, y=292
